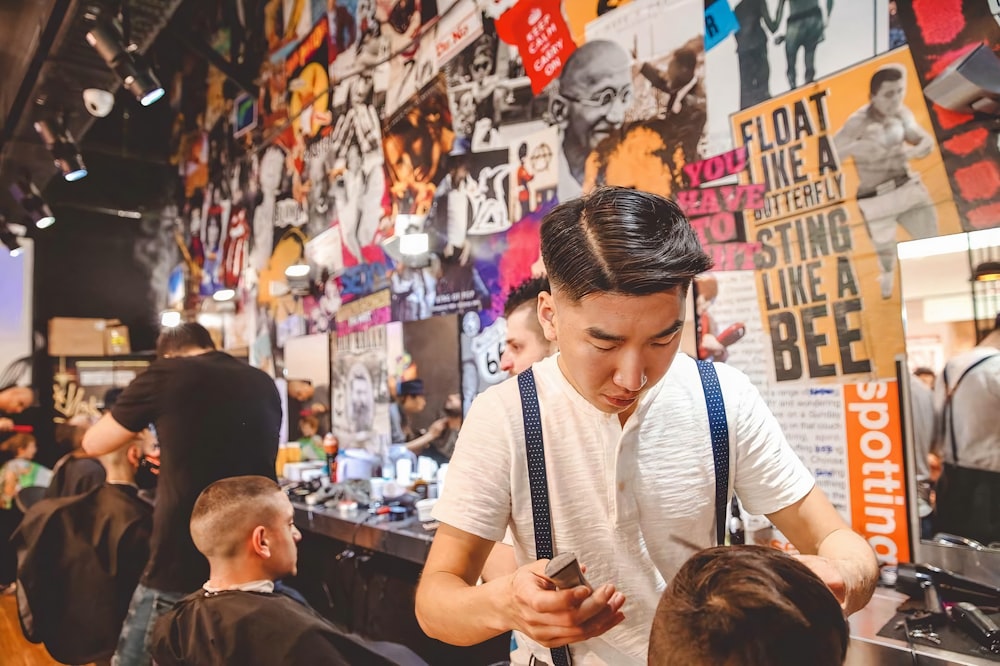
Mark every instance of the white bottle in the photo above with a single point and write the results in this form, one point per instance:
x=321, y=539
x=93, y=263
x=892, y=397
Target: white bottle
x=404, y=470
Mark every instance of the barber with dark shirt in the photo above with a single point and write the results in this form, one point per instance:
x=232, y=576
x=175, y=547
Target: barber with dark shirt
x=215, y=417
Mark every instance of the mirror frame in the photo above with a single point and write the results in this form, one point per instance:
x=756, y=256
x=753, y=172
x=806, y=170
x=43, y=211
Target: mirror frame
x=981, y=565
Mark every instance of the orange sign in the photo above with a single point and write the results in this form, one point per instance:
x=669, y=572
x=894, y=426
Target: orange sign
x=877, y=473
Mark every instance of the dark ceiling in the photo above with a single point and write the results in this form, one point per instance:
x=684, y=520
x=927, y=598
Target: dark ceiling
x=47, y=63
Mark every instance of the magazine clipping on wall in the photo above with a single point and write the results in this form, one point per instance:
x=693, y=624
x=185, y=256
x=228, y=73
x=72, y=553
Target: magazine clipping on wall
x=840, y=183
x=779, y=46
x=956, y=50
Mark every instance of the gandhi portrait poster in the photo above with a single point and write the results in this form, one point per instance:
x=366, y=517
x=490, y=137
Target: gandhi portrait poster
x=630, y=102
x=850, y=167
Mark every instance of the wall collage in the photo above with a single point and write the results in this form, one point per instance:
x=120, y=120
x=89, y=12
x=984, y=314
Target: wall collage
x=795, y=135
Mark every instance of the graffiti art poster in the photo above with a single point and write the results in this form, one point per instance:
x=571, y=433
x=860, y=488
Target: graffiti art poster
x=847, y=174
x=469, y=213
x=418, y=139
x=944, y=37
x=631, y=100
x=779, y=46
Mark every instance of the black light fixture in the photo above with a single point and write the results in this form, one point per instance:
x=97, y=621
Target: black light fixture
x=26, y=193
x=63, y=148
x=105, y=35
x=988, y=271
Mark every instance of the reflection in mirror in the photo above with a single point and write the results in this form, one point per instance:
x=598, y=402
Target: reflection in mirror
x=951, y=390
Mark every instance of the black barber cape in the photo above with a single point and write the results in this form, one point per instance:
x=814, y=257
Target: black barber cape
x=79, y=560
x=261, y=629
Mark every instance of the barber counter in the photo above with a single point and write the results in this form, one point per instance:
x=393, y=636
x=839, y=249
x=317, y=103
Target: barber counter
x=361, y=572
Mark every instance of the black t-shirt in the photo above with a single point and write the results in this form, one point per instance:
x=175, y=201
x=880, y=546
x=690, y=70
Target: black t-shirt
x=215, y=417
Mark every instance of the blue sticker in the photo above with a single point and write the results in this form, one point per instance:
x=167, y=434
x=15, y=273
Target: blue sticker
x=720, y=22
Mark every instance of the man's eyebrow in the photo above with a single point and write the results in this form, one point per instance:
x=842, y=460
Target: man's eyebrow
x=600, y=334
x=670, y=330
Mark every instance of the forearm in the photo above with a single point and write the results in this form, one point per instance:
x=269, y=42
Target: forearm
x=419, y=444
x=855, y=560
x=452, y=611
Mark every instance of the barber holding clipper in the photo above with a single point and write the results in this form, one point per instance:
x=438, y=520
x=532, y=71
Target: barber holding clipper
x=628, y=454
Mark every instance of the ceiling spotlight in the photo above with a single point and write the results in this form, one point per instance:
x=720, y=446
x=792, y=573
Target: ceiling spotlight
x=297, y=271
x=170, y=318
x=98, y=102
x=60, y=143
x=26, y=193
x=105, y=36
x=8, y=238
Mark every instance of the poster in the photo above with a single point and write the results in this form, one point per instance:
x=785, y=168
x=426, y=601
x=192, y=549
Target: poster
x=360, y=395
x=877, y=472
x=418, y=139
x=842, y=174
x=490, y=93
x=775, y=51
x=631, y=101
x=940, y=35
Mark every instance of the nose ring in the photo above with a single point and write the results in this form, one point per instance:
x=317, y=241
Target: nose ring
x=644, y=380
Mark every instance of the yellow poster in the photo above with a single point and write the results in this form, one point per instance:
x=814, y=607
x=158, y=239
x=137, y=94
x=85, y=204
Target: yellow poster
x=850, y=167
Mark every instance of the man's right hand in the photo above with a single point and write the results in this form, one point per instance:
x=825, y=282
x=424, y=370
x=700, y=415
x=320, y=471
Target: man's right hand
x=437, y=428
x=559, y=617
x=6, y=425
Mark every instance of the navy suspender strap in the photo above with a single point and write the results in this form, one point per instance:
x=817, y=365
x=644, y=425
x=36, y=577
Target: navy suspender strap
x=720, y=444
x=949, y=392
x=539, y=482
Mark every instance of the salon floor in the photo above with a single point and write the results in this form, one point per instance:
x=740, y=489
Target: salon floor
x=14, y=649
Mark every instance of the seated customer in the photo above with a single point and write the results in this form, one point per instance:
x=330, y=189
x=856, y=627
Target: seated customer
x=75, y=473
x=747, y=606
x=244, y=526
x=21, y=471
x=79, y=561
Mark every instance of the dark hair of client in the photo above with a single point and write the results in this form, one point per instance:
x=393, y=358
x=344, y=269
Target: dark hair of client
x=526, y=292
x=183, y=337
x=619, y=240
x=747, y=606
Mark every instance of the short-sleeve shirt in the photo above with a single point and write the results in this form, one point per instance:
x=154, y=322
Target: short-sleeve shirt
x=215, y=417
x=632, y=502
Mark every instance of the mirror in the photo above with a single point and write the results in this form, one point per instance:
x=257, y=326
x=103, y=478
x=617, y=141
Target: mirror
x=946, y=313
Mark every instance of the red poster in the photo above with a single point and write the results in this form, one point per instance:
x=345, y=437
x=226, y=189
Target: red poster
x=539, y=31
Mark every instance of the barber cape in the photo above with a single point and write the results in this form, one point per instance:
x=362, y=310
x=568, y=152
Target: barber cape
x=264, y=629
x=78, y=562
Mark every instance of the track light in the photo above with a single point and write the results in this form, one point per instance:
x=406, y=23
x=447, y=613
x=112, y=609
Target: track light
x=105, y=36
x=9, y=238
x=60, y=143
x=26, y=193
x=988, y=271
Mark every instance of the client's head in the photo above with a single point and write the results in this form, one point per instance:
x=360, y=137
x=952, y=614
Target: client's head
x=244, y=526
x=747, y=606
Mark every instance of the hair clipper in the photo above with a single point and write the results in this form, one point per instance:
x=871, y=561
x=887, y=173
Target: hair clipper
x=564, y=572
x=977, y=624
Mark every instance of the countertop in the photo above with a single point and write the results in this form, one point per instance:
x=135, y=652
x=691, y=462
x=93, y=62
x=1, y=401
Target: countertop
x=406, y=539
